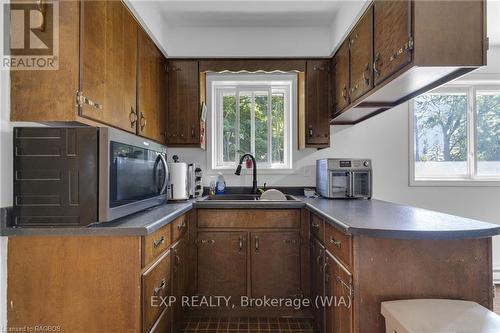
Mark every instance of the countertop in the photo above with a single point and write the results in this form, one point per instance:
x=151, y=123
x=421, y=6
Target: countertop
x=138, y=224
x=373, y=218
x=377, y=218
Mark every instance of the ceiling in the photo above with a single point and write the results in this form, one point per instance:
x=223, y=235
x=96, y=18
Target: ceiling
x=204, y=28
x=258, y=28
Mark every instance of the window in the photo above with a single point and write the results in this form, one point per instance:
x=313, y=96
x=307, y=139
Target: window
x=252, y=114
x=455, y=134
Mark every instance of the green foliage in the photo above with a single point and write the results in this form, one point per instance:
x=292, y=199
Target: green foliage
x=261, y=103
x=488, y=127
x=445, y=116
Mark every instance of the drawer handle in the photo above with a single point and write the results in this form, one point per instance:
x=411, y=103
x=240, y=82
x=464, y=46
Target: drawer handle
x=257, y=246
x=366, y=74
x=207, y=241
x=375, y=69
x=290, y=241
x=142, y=122
x=158, y=242
x=335, y=242
x=344, y=285
x=158, y=289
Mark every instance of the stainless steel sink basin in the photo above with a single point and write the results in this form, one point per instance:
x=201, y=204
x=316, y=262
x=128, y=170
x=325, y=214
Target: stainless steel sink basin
x=243, y=197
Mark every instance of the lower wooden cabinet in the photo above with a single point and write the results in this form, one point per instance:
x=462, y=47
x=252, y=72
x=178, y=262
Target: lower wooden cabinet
x=275, y=264
x=318, y=281
x=222, y=263
x=338, y=286
x=156, y=285
x=253, y=253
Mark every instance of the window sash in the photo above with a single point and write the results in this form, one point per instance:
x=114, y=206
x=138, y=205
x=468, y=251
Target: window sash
x=253, y=89
x=472, y=175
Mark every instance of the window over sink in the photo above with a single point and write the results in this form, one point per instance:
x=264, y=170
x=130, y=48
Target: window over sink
x=455, y=136
x=251, y=113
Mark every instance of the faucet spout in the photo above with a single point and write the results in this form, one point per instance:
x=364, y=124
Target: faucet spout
x=238, y=171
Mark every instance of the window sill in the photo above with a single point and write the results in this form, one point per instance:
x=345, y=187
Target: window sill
x=244, y=171
x=453, y=182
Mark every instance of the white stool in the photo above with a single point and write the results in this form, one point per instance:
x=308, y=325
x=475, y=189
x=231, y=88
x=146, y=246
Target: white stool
x=438, y=316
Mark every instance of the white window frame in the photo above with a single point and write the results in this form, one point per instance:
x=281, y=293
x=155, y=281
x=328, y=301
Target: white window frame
x=218, y=83
x=471, y=179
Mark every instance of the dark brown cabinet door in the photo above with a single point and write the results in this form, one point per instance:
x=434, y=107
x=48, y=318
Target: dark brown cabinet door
x=318, y=281
x=183, y=124
x=361, y=56
x=341, y=70
x=222, y=263
x=318, y=101
x=275, y=264
x=338, y=286
x=109, y=58
x=179, y=286
x=151, y=102
x=392, y=30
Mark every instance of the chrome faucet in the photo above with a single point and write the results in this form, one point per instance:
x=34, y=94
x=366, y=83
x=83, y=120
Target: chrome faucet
x=238, y=171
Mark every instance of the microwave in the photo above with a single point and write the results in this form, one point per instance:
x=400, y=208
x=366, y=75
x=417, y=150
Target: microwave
x=344, y=178
x=76, y=176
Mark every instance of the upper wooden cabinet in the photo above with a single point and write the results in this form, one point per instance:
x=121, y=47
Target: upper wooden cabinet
x=315, y=97
x=97, y=79
x=151, y=93
x=361, y=56
x=183, y=121
x=109, y=56
x=341, y=73
x=392, y=34
x=400, y=49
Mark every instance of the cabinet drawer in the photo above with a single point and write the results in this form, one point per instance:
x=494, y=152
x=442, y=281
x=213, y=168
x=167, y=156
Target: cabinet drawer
x=339, y=244
x=179, y=227
x=162, y=325
x=249, y=218
x=318, y=227
x=155, y=285
x=154, y=244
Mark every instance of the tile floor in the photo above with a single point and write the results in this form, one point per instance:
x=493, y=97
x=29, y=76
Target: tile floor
x=248, y=325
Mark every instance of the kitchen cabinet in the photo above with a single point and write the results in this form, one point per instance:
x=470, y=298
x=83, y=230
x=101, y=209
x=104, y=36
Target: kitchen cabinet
x=156, y=284
x=318, y=281
x=317, y=103
x=179, y=281
x=104, y=74
x=254, y=253
x=341, y=70
x=109, y=56
x=183, y=120
x=401, y=49
x=275, y=264
x=338, y=286
x=222, y=263
x=361, y=56
x=392, y=32
x=151, y=94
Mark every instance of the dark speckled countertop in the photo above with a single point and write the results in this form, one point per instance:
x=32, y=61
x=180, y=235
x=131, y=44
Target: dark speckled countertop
x=374, y=218
x=377, y=218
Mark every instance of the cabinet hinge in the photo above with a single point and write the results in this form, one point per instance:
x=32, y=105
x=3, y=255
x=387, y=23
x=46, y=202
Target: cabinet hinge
x=82, y=99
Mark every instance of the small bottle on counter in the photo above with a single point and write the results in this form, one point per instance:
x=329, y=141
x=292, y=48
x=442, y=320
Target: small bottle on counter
x=220, y=184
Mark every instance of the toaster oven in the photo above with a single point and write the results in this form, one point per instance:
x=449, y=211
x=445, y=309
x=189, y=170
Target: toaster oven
x=344, y=178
